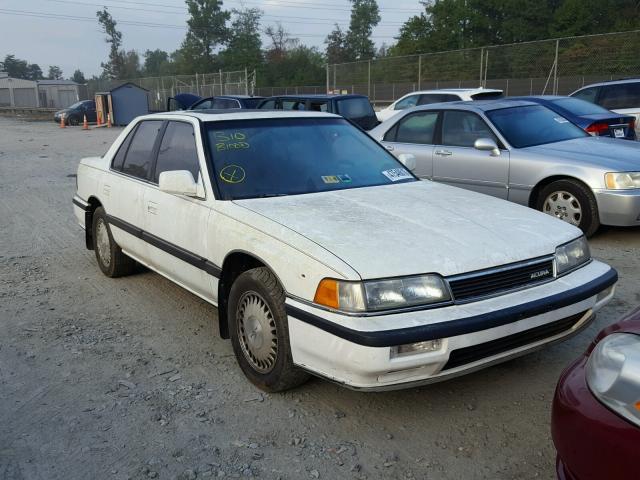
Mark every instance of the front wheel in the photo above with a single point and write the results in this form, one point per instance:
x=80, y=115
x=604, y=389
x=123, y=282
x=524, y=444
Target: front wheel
x=572, y=202
x=259, y=331
x=73, y=121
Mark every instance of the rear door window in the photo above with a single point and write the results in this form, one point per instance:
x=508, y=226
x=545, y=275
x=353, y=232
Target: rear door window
x=462, y=129
x=417, y=128
x=429, y=98
x=268, y=105
x=487, y=96
x=225, y=103
x=118, y=159
x=178, y=150
x=316, y=106
x=137, y=162
x=621, y=95
x=356, y=107
x=288, y=104
x=204, y=105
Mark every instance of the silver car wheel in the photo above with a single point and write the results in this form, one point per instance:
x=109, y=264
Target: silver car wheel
x=102, y=243
x=257, y=332
x=564, y=206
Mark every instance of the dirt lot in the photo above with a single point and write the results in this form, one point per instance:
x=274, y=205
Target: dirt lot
x=126, y=378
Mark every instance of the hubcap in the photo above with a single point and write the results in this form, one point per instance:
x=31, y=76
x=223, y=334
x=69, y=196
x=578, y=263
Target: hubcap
x=102, y=243
x=257, y=332
x=564, y=206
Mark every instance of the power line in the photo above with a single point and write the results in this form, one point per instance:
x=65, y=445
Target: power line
x=329, y=21
x=54, y=16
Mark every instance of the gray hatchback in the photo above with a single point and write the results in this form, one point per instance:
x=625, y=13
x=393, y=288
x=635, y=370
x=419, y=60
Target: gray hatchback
x=522, y=152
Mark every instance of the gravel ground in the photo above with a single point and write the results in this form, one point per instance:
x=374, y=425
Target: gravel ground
x=126, y=378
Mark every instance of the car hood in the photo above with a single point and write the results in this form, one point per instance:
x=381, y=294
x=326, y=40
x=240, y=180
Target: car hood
x=64, y=110
x=416, y=227
x=615, y=154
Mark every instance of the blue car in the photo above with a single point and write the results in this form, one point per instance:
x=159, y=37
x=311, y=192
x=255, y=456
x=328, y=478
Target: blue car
x=592, y=118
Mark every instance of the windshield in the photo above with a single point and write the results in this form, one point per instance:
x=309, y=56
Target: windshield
x=291, y=156
x=76, y=105
x=579, y=107
x=533, y=125
x=356, y=107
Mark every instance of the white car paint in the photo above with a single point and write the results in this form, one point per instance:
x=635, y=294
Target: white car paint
x=364, y=233
x=464, y=94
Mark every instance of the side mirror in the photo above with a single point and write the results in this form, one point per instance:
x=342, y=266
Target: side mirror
x=178, y=182
x=408, y=160
x=488, y=145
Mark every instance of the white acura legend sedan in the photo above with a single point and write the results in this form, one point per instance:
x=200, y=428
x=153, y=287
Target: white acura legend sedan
x=325, y=255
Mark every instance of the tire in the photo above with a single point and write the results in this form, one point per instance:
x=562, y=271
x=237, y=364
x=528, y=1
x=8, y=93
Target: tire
x=111, y=260
x=572, y=202
x=256, y=301
x=73, y=121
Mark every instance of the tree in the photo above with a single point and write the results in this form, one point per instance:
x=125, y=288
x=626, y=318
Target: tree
x=365, y=15
x=15, y=67
x=78, y=77
x=34, y=72
x=414, y=36
x=207, y=29
x=55, y=73
x=113, y=68
x=336, y=42
x=280, y=43
x=245, y=46
x=130, y=65
x=156, y=62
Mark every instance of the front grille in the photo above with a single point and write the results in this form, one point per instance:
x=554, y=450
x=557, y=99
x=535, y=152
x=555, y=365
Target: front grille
x=493, y=281
x=463, y=356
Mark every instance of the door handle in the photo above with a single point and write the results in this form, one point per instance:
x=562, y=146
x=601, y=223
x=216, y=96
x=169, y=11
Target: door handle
x=389, y=147
x=443, y=153
x=152, y=208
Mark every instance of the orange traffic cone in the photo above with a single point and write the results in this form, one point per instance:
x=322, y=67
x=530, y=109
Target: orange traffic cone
x=85, y=124
x=109, y=120
x=62, y=125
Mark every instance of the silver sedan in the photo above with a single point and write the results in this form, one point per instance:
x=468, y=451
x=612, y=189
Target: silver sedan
x=523, y=152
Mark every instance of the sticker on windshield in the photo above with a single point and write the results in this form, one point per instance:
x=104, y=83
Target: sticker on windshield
x=232, y=174
x=561, y=120
x=336, y=178
x=226, y=141
x=396, y=174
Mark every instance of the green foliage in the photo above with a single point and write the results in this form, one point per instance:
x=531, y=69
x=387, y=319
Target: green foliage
x=156, y=63
x=34, y=72
x=113, y=68
x=15, y=67
x=244, y=49
x=207, y=29
x=55, y=73
x=336, y=50
x=78, y=77
x=365, y=15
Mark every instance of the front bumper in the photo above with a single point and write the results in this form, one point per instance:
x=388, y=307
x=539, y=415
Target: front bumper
x=356, y=351
x=619, y=207
x=591, y=441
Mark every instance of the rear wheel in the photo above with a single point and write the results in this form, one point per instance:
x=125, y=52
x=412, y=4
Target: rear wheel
x=73, y=120
x=111, y=260
x=259, y=331
x=572, y=202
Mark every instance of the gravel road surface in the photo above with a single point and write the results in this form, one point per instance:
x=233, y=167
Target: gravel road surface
x=126, y=378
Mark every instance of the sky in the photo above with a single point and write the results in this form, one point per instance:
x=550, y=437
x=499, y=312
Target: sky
x=40, y=31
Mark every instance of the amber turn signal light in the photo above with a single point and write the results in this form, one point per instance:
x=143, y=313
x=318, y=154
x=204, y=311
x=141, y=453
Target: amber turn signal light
x=327, y=293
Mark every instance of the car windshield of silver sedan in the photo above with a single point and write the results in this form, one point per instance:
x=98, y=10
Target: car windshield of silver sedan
x=291, y=156
x=533, y=125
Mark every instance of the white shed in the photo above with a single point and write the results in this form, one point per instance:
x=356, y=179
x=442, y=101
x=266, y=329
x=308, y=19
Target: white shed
x=16, y=92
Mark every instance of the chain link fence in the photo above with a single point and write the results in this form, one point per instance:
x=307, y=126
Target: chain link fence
x=557, y=66
x=241, y=82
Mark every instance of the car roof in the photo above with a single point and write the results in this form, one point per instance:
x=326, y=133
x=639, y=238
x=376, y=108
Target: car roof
x=470, y=91
x=610, y=82
x=476, y=105
x=238, y=114
x=319, y=96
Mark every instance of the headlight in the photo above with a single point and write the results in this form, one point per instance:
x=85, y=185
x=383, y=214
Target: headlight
x=613, y=374
x=572, y=255
x=622, y=180
x=376, y=295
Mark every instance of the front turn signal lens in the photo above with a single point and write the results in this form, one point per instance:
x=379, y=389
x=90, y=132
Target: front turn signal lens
x=327, y=293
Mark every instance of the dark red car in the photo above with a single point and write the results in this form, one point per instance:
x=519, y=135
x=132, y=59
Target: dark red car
x=595, y=422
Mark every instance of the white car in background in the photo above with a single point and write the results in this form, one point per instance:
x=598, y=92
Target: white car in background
x=426, y=97
x=326, y=255
x=619, y=96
